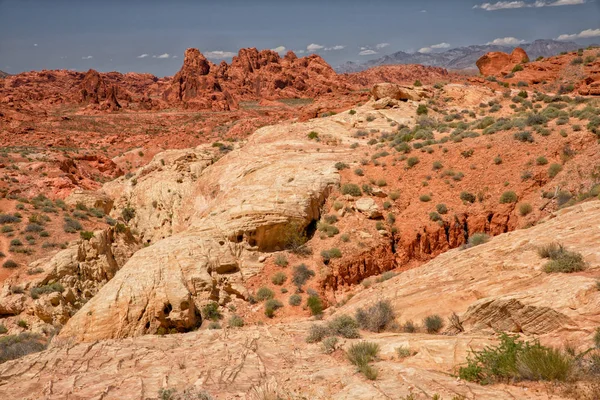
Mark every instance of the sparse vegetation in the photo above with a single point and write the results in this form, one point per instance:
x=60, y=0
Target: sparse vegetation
x=17, y=346
x=508, y=197
x=554, y=169
x=264, y=293
x=315, y=305
x=211, y=311
x=271, y=306
x=377, y=317
x=279, y=278
x=295, y=300
x=361, y=354
x=351, y=189
x=561, y=260
x=433, y=323
x=525, y=209
x=10, y=264
x=301, y=274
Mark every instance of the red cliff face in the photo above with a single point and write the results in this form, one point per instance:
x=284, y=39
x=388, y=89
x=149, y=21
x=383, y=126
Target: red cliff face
x=496, y=63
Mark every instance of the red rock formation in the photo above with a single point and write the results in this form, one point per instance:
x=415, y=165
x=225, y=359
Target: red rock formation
x=92, y=88
x=496, y=63
x=111, y=103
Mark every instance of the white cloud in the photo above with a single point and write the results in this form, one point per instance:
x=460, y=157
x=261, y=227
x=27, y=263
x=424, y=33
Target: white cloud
x=381, y=45
x=588, y=33
x=175, y=57
x=87, y=57
x=299, y=51
x=279, y=49
x=507, y=5
x=35, y=45
x=429, y=49
x=142, y=55
x=336, y=47
x=366, y=52
x=506, y=41
x=219, y=54
x=314, y=47
x=165, y=55
x=423, y=11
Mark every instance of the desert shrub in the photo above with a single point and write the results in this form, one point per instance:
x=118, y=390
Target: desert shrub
x=10, y=264
x=418, y=83
x=313, y=135
x=344, y=326
x=468, y=197
x=9, y=219
x=34, y=228
x=345, y=237
x=317, y=332
x=281, y=260
x=437, y=165
x=351, y=189
x=561, y=260
x=541, y=160
x=508, y=197
x=301, y=274
x=361, y=354
x=295, y=300
x=17, y=346
x=425, y=198
x=329, y=344
x=441, y=208
x=385, y=276
x=279, y=278
x=517, y=68
x=214, y=325
x=128, y=213
x=16, y=243
x=403, y=352
x=524, y=136
x=476, y=239
x=377, y=317
x=3, y=329
x=434, y=216
x=294, y=239
x=315, y=305
x=264, y=293
x=329, y=230
x=235, y=321
x=422, y=109
x=211, y=311
x=409, y=327
x=96, y=212
x=359, y=172
x=433, y=323
x=340, y=166
x=554, y=169
x=86, y=235
x=515, y=359
x=394, y=196
x=35, y=292
x=525, y=209
x=412, y=161
x=271, y=306
x=71, y=225
x=331, y=253
x=577, y=61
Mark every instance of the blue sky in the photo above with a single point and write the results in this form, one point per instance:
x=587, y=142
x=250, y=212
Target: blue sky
x=151, y=36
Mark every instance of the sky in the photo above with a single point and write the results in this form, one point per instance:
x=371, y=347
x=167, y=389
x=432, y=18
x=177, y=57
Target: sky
x=151, y=36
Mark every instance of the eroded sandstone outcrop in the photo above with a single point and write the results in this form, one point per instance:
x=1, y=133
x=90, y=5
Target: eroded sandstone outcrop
x=496, y=63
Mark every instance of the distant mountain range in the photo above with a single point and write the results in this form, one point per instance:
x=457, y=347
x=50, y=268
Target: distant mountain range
x=3, y=74
x=461, y=57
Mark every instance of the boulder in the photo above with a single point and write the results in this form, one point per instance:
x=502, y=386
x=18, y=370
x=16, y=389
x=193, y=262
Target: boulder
x=367, y=206
x=398, y=92
x=90, y=199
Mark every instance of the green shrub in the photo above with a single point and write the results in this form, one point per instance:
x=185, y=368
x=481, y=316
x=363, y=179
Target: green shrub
x=71, y=225
x=3, y=329
x=313, y=135
x=271, y=306
x=403, y=352
x=561, y=260
x=235, y=322
x=394, y=196
x=331, y=253
x=329, y=344
x=295, y=300
x=351, y=189
x=412, y=161
x=16, y=243
x=361, y=354
x=279, y=278
x=34, y=227
x=515, y=359
x=577, y=61
x=359, y=172
x=344, y=326
x=35, y=292
x=301, y=274
x=211, y=311
x=316, y=333
x=264, y=293
x=476, y=239
x=517, y=68
x=525, y=209
x=417, y=83
x=128, y=213
x=524, y=136
x=541, y=160
x=281, y=260
x=468, y=197
x=409, y=327
x=422, y=109
x=22, y=324
x=377, y=317
x=17, y=346
x=329, y=230
x=508, y=197
x=433, y=323
x=441, y=208
x=315, y=305
x=425, y=198
x=214, y=325
x=554, y=169
x=10, y=264
x=340, y=166
x=86, y=235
